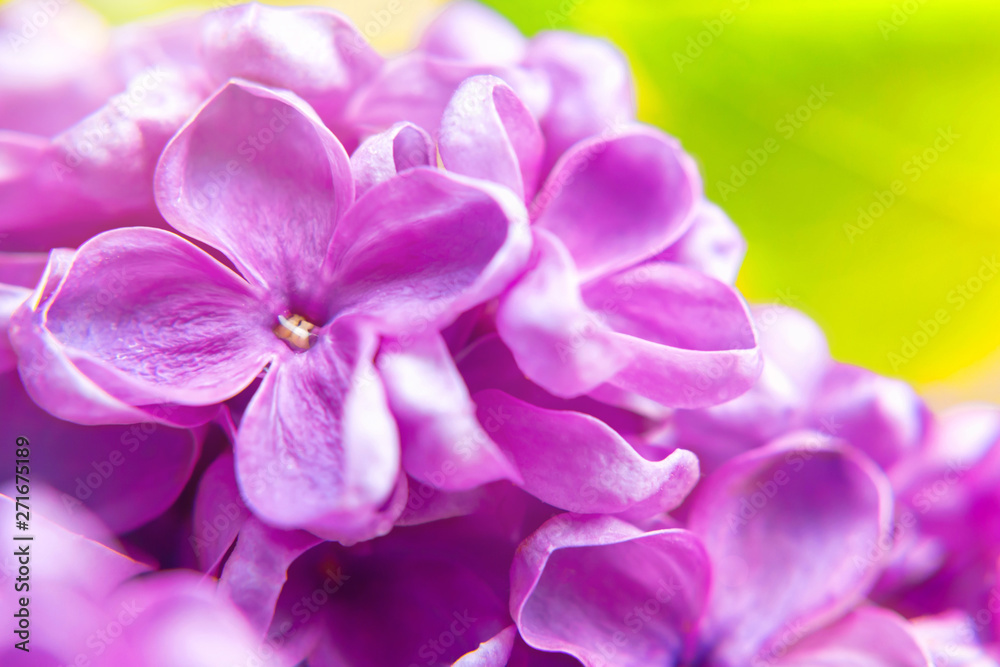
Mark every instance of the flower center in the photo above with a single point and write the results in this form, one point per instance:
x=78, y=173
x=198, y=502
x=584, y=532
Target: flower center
x=295, y=330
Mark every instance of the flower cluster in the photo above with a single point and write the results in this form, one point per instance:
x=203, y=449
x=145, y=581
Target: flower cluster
x=328, y=359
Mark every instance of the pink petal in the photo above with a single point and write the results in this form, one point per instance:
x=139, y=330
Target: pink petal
x=488, y=133
x=257, y=569
x=255, y=165
x=380, y=157
x=607, y=593
x=689, y=337
x=578, y=463
x=470, y=32
x=314, y=51
x=615, y=201
x=443, y=444
x=868, y=637
x=712, y=244
x=416, y=87
x=557, y=341
x=317, y=447
x=592, y=89
x=494, y=652
x=416, y=251
x=219, y=513
x=152, y=319
x=788, y=527
x=53, y=380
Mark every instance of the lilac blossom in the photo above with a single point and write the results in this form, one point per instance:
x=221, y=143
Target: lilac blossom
x=185, y=331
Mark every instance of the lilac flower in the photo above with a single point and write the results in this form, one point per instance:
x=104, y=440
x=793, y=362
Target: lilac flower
x=599, y=305
x=322, y=275
x=770, y=571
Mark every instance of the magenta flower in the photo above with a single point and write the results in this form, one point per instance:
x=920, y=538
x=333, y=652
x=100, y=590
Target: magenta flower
x=599, y=305
x=257, y=176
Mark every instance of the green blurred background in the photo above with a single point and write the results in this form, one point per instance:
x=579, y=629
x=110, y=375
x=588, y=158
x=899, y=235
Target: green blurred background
x=895, y=77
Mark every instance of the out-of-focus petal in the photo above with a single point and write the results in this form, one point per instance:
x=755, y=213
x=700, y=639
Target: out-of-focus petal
x=607, y=593
x=471, y=32
x=314, y=51
x=416, y=87
x=868, y=637
x=712, y=244
x=494, y=652
x=487, y=132
x=789, y=528
x=881, y=416
x=258, y=567
x=219, y=513
x=592, y=90
x=126, y=475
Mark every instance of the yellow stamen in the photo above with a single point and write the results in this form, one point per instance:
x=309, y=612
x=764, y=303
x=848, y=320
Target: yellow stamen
x=294, y=330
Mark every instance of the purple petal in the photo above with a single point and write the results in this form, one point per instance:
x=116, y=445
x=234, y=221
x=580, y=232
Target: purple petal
x=470, y=32
x=416, y=251
x=868, y=637
x=443, y=444
x=255, y=165
x=379, y=158
x=951, y=640
x=592, y=90
x=494, y=652
x=314, y=51
x=557, y=341
x=796, y=358
x=317, y=447
x=578, y=463
x=712, y=244
x=219, y=513
x=617, y=200
x=689, y=337
x=56, y=384
x=790, y=528
x=152, y=319
x=607, y=593
x=416, y=87
x=258, y=566
x=488, y=133
x=126, y=475
x=882, y=417
x=41, y=67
